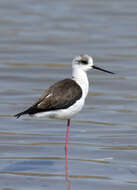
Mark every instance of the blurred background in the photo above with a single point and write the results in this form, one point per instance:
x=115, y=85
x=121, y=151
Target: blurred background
x=38, y=40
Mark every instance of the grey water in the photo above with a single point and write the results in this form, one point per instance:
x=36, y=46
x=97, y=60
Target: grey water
x=38, y=40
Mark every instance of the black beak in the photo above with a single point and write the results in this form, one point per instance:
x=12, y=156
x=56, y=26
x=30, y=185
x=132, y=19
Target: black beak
x=95, y=67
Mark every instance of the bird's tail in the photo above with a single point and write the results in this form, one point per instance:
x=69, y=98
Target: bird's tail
x=21, y=113
x=31, y=110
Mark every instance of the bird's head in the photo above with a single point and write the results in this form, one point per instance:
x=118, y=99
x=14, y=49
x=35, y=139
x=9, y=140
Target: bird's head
x=85, y=62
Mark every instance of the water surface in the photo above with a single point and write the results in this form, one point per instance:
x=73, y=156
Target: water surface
x=38, y=40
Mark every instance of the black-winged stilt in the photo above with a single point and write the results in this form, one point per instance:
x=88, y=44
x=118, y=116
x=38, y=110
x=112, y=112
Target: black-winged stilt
x=65, y=98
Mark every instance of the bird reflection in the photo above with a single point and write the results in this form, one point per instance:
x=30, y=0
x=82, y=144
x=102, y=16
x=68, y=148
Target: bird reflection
x=66, y=158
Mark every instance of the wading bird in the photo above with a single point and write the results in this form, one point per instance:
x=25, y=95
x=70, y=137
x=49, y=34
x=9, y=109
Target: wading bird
x=67, y=97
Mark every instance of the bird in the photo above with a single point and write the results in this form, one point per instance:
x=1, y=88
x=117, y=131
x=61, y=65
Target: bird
x=65, y=98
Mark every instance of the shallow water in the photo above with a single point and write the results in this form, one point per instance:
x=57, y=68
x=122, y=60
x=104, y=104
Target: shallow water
x=37, y=42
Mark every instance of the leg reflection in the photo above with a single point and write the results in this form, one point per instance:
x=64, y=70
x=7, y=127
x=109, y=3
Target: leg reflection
x=66, y=157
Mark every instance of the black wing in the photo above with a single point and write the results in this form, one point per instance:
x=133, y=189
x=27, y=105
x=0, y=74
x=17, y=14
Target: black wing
x=61, y=95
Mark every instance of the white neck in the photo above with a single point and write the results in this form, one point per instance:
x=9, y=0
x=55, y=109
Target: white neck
x=81, y=78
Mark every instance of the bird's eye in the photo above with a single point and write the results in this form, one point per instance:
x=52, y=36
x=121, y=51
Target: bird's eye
x=84, y=62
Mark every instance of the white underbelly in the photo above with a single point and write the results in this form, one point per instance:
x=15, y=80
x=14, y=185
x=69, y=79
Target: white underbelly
x=64, y=113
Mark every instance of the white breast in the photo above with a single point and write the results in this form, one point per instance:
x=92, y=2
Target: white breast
x=81, y=78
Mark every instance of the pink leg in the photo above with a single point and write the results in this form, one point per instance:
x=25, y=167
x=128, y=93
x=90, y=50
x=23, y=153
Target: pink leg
x=66, y=150
x=67, y=135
